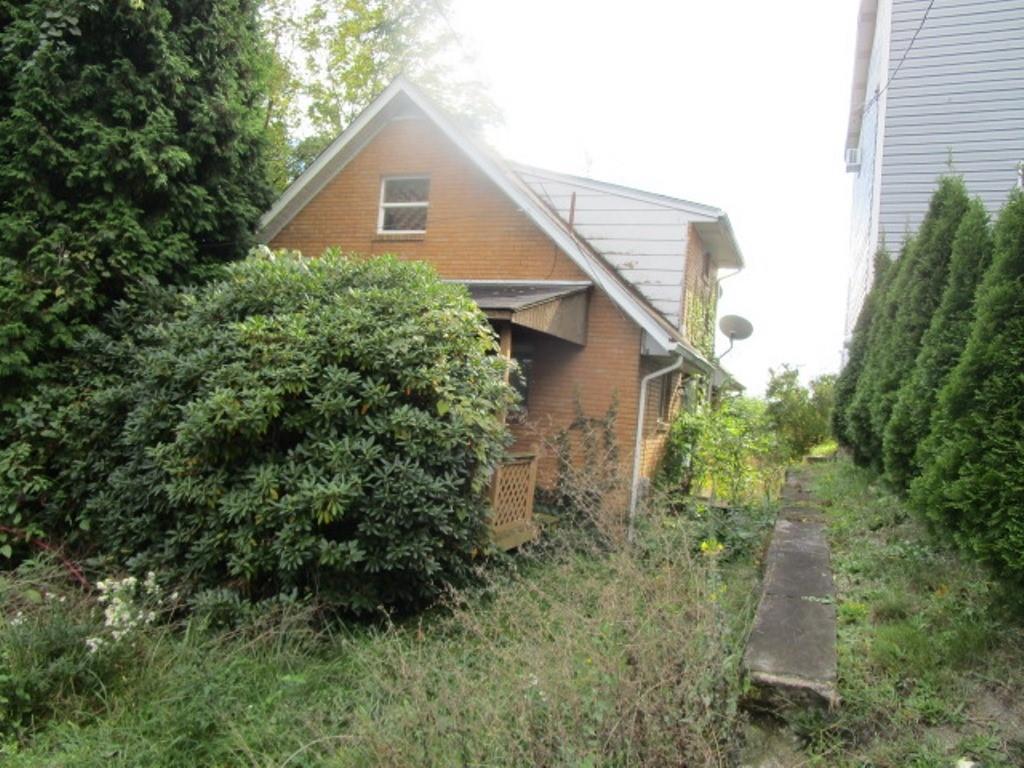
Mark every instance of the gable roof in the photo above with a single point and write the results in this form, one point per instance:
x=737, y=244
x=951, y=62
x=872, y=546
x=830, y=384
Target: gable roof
x=402, y=98
x=643, y=235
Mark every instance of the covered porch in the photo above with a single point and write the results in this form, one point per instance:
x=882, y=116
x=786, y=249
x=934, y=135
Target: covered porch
x=530, y=317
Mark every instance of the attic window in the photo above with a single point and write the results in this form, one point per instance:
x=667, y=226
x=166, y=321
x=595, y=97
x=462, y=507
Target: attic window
x=403, y=205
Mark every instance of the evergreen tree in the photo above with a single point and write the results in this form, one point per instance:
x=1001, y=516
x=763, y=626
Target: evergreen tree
x=846, y=384
x=915, y=294
x=131, y=137
x=972, y=479
x=941, y=346
x=858, y=413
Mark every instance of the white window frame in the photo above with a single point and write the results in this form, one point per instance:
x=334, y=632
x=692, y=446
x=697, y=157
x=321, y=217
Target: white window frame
x=384, y=206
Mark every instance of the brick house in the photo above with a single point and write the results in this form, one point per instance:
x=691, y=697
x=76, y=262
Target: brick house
x=602, y=293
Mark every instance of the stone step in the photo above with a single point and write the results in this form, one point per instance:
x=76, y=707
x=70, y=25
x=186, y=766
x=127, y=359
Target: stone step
x=804, y=514
x=791, y=653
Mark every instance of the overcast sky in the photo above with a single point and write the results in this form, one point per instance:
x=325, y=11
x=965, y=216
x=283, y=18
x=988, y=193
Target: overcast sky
x=740, y=104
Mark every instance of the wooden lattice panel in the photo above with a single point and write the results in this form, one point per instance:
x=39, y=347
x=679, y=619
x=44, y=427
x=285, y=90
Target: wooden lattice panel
x=512, y=492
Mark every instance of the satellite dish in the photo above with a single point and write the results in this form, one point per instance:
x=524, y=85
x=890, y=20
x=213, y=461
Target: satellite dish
x=735, y=327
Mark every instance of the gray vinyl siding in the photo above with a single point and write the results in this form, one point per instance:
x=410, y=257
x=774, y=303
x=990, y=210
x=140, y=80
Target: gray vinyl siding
x=863, y=223
x=956, y=105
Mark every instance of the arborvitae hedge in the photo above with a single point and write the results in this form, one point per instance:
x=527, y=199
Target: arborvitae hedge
x=912, y=300
x=858, y=412
x=325, y=425
x=972, y=480
x=130, y=153
x=941, y=347
x=846, y=384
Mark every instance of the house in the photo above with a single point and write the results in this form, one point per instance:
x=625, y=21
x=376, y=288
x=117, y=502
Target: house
x=937, y=87
x=603, y=294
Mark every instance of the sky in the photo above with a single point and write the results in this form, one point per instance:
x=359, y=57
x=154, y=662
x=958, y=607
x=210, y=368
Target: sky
x=741, y=104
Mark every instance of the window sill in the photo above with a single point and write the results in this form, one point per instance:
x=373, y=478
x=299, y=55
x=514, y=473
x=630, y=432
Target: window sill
x=405, y=237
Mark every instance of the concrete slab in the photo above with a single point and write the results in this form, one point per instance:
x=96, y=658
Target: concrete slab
x=798, y=574
x=799, y=534
x=794, y=493
x=792, y=651
x=808, y=514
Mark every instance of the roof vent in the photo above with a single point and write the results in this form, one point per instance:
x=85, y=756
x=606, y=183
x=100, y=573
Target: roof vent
x=852, y=159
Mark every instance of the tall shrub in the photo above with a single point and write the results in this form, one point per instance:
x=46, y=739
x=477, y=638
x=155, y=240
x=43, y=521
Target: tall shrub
x=916, y=292
x=846, y=383
x=972, y=481
x=130, y=152
x=799, y=415
x=324, y=424
x=941, y=346
x=858, y=413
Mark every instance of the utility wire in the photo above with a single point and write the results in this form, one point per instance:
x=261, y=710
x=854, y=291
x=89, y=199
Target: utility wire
x=878, y=94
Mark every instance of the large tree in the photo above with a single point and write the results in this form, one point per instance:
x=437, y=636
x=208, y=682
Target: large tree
x=131, y=135
x=941, y=347
x=972, y=481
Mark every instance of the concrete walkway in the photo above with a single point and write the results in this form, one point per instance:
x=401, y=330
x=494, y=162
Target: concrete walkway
x=791, y=654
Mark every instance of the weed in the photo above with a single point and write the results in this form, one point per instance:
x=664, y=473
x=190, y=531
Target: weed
x=613, y=656
x=922, y=639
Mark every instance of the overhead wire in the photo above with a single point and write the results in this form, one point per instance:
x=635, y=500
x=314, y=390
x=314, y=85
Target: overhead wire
x=878, y=93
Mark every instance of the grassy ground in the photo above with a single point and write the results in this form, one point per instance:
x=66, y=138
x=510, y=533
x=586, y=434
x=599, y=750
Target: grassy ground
x=931, y=660
x=617, y=656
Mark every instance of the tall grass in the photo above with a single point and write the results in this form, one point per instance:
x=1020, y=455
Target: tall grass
x=584, y=657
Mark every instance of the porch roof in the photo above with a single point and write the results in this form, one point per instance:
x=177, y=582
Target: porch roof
x=557, y=308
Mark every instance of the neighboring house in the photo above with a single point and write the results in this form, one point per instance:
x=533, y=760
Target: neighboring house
x=931, y=95
x=594, y=288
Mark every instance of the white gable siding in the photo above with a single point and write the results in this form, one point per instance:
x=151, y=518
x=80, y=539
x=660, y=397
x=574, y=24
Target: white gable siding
x=644, y=241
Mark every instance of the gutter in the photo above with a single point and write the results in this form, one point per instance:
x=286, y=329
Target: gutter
x=638, y=445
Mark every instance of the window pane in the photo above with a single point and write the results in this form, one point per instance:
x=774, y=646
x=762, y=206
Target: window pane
x=406, y=190
x=404, y=219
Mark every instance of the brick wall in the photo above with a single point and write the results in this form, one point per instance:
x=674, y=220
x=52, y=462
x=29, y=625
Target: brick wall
x=475, y=232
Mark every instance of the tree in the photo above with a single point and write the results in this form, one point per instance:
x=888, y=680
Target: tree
x=846, y=383
x=941, y=346
x=858, y=412
x=916, y=291
x=334, y=59
x=799, y=416
x=823, y=402
x=130, y=153
x=972, y=480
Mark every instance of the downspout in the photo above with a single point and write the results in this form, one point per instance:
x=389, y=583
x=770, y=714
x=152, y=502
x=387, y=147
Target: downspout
x=638, y=446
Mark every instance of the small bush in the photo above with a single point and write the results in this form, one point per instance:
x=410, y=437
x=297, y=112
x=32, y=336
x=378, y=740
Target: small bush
x=729, y=450
x=324, y=425
x=45, y=653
